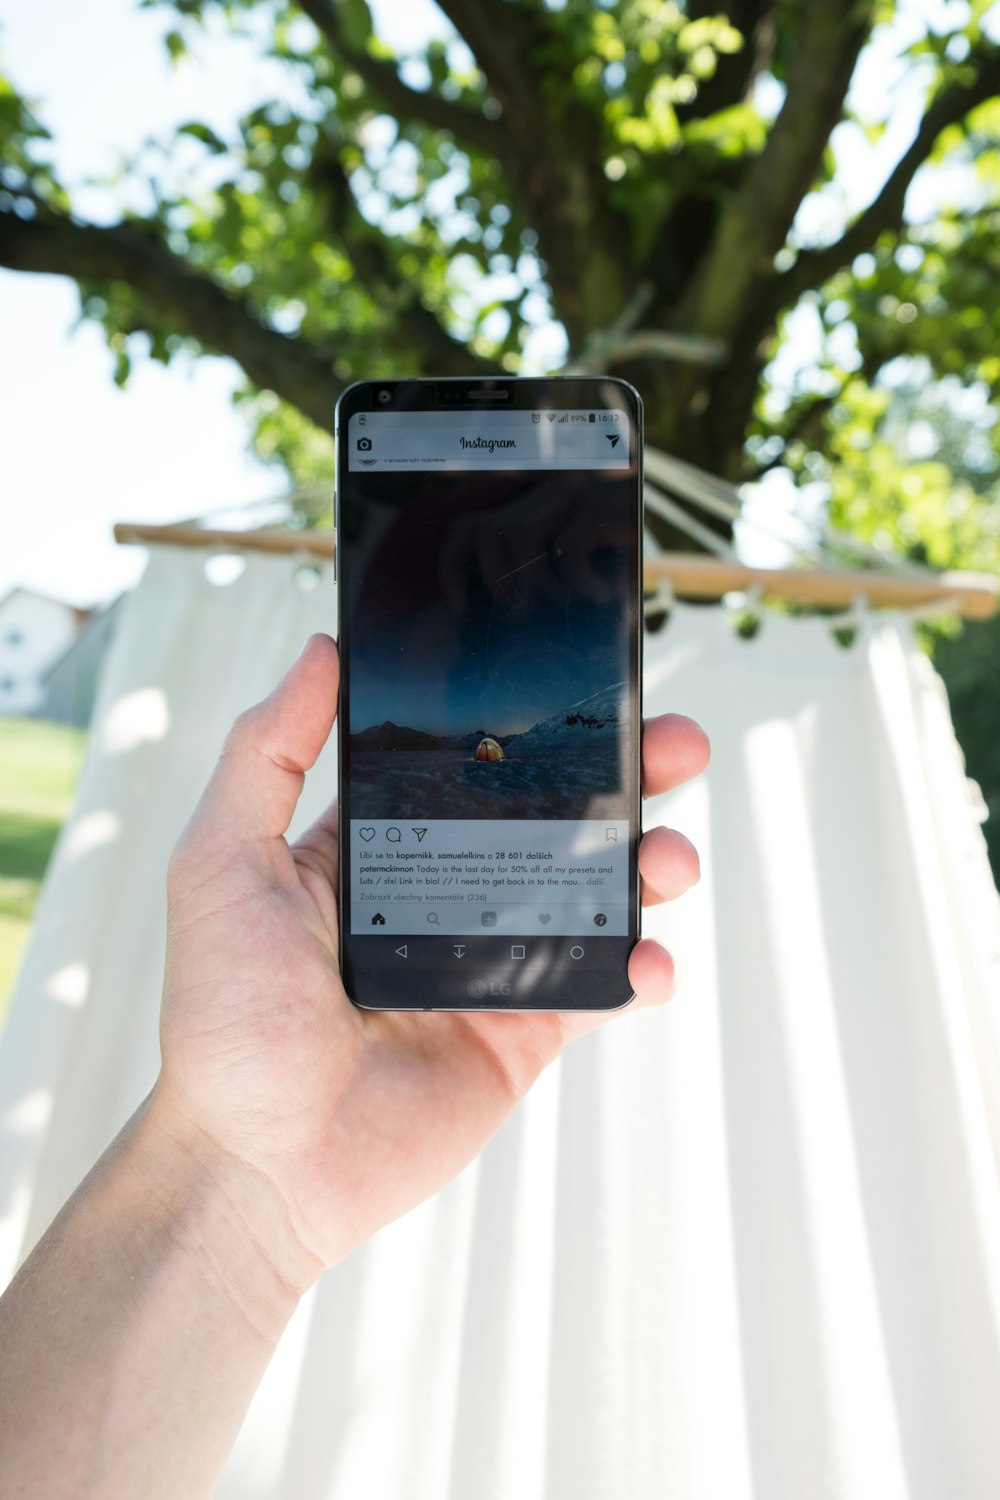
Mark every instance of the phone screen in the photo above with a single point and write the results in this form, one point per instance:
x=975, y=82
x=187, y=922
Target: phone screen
x=488, y=567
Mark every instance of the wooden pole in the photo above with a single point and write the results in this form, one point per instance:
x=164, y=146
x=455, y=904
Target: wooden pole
x=691, y=575
x=315, y=543
x=695, y=576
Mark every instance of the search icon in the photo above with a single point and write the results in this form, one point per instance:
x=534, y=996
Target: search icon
x=434, y=919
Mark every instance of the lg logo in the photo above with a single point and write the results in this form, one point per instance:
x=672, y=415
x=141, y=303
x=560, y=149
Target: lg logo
x=478, y=989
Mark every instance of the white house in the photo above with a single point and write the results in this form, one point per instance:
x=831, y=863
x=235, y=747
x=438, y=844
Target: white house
x=70, y=683
x=35, y=630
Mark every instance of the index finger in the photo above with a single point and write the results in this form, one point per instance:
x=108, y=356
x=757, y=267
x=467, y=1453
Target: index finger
x=255, y=786
x=674, y=748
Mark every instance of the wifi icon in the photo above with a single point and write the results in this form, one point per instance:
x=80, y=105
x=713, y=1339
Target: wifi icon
x=551, y=415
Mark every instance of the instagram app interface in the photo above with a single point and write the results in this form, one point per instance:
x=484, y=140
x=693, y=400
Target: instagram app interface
x=488, y=771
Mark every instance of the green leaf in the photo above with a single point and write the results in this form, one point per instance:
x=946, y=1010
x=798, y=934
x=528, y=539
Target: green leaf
x=356, y=20
x=199, y=131
x=175, y=45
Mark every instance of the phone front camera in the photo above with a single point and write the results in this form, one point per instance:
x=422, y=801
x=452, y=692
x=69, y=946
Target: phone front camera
x=385, y=397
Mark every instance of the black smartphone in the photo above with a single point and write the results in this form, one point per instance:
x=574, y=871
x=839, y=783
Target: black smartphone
x=488, y=555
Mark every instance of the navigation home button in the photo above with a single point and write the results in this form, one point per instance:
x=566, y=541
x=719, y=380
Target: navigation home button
x=576, y=951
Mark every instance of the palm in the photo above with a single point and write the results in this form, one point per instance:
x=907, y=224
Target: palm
x=355, y=1115
x=280, y=1066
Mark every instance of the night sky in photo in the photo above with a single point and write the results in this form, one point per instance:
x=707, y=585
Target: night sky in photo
x=484, y=601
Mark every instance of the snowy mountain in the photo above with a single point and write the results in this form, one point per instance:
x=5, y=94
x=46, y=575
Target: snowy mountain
x=390, y=736
x=591, y=721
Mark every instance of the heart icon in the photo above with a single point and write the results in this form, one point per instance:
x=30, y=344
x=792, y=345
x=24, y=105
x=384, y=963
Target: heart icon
x=544, y=917
x=367, y=834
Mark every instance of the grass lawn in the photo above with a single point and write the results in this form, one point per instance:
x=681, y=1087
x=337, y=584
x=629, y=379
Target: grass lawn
x=39, y=764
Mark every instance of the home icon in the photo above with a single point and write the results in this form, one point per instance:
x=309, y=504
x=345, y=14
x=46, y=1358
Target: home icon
x=378, y=920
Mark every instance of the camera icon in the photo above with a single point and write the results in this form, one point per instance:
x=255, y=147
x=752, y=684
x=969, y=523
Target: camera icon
x=364, y=445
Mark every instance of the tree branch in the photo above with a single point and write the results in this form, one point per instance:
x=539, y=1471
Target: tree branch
x=735, y=72
x=502, y=39
x=756, y=223
x=552, y=161
x=197, y=306
x=414, y=322
x=804, y=422
x=688, y=228
x=552, y=153
x=469, y=126
x=885, y=212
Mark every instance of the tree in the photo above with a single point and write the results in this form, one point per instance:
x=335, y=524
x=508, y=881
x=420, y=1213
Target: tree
x=633, y=169
x=916, y=464
x=642, y=172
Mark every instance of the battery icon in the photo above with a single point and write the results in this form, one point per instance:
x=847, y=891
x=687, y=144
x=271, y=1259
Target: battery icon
x=592, y=417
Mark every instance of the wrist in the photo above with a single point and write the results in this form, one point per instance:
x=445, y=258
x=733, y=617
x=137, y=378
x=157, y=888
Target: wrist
x=222, y=1211
x=136, y=1333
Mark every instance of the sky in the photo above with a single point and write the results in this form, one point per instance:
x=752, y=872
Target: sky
x=79, y=454
x=76, y=453
x=520, y=614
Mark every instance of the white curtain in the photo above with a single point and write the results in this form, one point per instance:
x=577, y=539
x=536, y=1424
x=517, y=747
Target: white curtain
x=745, y=1246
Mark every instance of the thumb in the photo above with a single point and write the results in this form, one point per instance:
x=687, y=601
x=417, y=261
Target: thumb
x=255, y=786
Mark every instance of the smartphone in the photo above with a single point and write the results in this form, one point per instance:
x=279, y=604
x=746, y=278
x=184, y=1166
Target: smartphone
x=488, y=559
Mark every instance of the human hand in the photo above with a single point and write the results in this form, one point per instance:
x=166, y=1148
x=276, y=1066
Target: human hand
x=348, y=1118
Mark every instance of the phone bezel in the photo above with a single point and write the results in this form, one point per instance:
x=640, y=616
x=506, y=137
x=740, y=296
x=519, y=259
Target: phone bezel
x=516, y=393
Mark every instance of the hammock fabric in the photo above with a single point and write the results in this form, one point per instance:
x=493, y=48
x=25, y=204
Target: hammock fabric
x=743, y=1248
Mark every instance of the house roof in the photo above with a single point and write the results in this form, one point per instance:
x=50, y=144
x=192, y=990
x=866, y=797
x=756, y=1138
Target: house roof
x=94, y=618
x=80, y=613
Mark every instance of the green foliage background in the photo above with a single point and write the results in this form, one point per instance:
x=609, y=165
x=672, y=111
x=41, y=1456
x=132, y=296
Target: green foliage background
x=623, y=172
x=39, y=764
